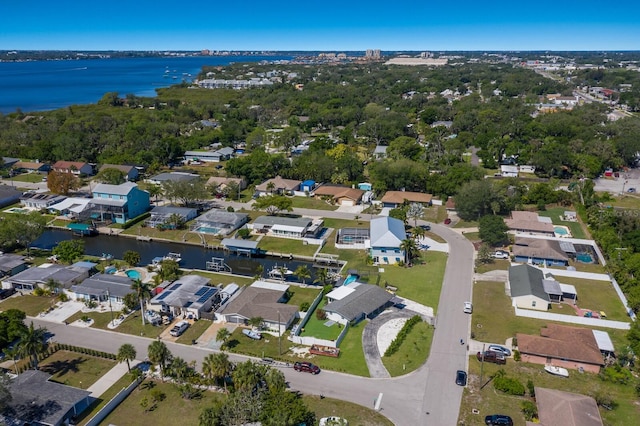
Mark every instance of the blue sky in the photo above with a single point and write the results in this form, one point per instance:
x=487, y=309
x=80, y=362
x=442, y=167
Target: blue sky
x=327, y=25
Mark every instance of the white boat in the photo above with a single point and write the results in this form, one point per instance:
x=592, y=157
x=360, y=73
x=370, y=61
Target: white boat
x=277, y=271
x=557, y=371
x=106, y=256
x=333, y=421
x=176, y=257
x=255, y=335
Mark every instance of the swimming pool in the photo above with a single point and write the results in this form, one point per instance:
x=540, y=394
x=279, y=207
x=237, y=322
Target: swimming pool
x=349, y=279
x=584, y=258
x=133, y=274
x=209, y=230
x=560, y=230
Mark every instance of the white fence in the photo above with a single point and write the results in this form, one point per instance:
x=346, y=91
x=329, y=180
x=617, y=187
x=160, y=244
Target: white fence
x=111, y=405
x=595, y=322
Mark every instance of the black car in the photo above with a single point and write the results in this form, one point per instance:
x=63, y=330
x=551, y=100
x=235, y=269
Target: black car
x=461, y=378
x=306, y=367
x=426, y=227
x=498, y=420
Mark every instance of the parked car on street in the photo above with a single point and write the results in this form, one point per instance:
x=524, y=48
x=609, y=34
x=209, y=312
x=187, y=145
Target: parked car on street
x=306, y=367
x=468, y=308
x=498, y=420
x=500, y=349
x=461, y=378
x=490, y=356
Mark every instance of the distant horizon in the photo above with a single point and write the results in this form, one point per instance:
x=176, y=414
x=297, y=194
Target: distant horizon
x=328, y=50
x=334, y=25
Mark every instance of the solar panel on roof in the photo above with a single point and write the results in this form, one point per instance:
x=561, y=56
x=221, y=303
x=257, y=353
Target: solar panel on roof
x=164, y=294
x=210, y=292
x=201, y=291
x=175, y=286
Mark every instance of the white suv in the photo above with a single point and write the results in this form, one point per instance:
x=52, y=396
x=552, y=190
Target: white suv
x=468, y=308
x=501, y=254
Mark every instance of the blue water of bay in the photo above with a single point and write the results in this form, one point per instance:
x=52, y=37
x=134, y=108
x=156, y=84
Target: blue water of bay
x=46, y=85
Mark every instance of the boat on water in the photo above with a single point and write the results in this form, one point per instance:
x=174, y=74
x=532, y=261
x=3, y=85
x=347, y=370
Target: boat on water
x=176, y=257
x=280, y=271
x=106, y=256
x=255, y=335
x=556, y=371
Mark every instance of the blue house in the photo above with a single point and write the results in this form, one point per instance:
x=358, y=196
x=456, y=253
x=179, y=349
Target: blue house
x=387, y=235
x=118, y=203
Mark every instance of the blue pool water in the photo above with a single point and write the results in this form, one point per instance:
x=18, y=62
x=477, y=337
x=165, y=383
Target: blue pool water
x=349, y=279
x=584, y=258
x=560, y=231
x=133, y=274
x=209, y=230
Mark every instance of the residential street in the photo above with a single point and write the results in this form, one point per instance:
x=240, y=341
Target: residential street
x=426, y=396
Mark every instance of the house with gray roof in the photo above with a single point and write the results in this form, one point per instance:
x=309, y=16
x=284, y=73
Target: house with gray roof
x=118, y=203
x=215, y=156
x=9, y=195
x=190, y=295
x=11, y=264
x=29, y=279
x=356, y=301
x=40, y=200
x=387, y=235
x=527, y=288
x=173, y=177
x=37, y=401
x=131, y=173
x=103, y=288
x=261, y=299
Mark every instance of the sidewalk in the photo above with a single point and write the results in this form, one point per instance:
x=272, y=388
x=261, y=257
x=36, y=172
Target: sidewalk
x=112, y=376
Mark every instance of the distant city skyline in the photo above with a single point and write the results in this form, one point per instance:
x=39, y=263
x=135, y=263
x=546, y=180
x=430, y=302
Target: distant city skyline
x=328, y=26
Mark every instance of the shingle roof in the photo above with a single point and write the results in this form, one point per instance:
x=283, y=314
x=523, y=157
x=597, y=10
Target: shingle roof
x=562, y=342
x=339, y=192
x=556, y=407
x=279, y=183
x=528, y=221
x=35, y=399
x=100, y=284
x=364, y=299
x=539, y=248
x=260, y=302
x=398, y=197
x=526, y=280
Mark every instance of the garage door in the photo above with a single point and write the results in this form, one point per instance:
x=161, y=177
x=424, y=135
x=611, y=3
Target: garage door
x=347, y=203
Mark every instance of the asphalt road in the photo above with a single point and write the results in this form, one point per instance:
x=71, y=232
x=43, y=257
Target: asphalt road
x=427, y=396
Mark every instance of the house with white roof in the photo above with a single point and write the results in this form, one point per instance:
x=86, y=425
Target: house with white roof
x=387, y=235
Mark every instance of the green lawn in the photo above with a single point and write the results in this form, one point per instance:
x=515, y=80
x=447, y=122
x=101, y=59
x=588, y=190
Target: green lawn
x=173, y=409
x=224, y=279
x=577, y=230
x=311, y=203
x=496, y=264
x=472, y=236
x=315, y=327
x=301, y=295
x=466, y=224
x=74, y=369
x=287, y=246
x=28, y=177
x=356, y=415
x=412, y=353
x=102, y=400
x=194, y=331
x=29, y=304
x=178, y=235
x=131, y=325
x=597, y=296
x=489, y=400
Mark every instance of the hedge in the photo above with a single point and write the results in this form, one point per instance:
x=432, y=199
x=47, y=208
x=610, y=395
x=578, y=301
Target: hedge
x=397, y=342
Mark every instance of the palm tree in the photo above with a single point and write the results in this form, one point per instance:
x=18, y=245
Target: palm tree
x=259, y=272
x=13, y=353
x=143, y=291
x=179, y=369
x=417, y=232
x=410, y=249
x=33, y=344
x=303, y=272
x=270, y=187
x=155, y=191
x=159, y=354
x=322, y=276
x=222, y=336
x=256, y=322
x=246, y=376
x=217, y=367
x=126, y=353
x=52, y=285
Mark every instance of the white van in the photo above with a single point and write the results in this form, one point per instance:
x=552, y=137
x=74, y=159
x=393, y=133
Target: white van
x=179, y=328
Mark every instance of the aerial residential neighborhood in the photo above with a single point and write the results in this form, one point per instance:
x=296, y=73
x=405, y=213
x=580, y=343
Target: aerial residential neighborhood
x=392, y=245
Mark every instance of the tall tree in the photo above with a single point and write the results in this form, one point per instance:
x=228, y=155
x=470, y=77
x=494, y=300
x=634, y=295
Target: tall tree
x=223, y=335
x=131, y=257
x=217, y=367
x=303, y=273
x=160, y=355
x=33, y=343
x=69, y=250
x=493, y=230
x=111, y=176
x=143, y=291
x=126, y=353
x=62, y=182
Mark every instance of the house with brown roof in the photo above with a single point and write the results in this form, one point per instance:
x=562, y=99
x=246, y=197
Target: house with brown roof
x=556, y=407
x=222, y=182
x=340, y=195
x=562, y=346
x=260, y=300
x=541, y=251
x=31, y=167
x=531, y=223
x=131, y=173
x=278, y=185
x=395, y=199
x=75, y=167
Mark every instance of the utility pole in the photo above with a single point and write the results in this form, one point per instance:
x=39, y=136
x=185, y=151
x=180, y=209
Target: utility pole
x=482, y=367
x=279, y=336
x=110, y=307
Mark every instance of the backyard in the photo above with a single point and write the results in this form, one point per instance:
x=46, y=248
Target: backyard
x=287, y=246
x=577, y=230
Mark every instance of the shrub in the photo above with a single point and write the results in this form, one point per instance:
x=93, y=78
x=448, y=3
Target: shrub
x=516, y=355
x=616, y=374
x=321, y=314
x=509, y=385
x=402, y=335
x=531, y=388
x=304, y=307
x=529, y=410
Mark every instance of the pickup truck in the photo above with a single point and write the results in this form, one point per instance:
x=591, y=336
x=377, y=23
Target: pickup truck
x=490, y=356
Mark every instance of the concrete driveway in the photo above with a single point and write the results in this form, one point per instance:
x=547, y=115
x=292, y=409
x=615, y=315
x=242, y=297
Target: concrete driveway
x=63, y=311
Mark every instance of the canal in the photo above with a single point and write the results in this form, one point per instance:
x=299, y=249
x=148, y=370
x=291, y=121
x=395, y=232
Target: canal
x=193, y=257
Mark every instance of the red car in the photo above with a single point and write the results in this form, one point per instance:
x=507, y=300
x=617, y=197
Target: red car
x=307, y=367
x=447, y=221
